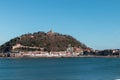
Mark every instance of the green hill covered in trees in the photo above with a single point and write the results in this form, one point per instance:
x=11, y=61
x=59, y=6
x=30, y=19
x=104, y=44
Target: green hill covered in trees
x=49, y=41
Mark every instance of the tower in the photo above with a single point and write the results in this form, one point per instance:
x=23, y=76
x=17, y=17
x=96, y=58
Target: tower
x=50, y=32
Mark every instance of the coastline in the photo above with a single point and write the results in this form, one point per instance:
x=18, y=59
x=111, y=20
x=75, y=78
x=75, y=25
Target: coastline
x=70, y=56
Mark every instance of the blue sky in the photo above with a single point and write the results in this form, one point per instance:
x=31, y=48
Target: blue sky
x=93, y=22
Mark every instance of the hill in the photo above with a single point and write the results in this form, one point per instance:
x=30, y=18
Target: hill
x=49, y=41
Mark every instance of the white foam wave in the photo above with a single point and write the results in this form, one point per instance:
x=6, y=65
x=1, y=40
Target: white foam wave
x=117, y=79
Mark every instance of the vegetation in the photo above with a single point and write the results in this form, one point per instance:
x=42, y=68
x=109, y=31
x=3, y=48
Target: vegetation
x=49, y=41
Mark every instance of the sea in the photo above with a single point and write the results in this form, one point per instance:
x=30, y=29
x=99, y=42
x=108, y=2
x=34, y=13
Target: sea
x=59, y=68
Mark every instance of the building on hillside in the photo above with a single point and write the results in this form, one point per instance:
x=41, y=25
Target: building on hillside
x=33, y=48
x=88, y=49
x=16, y=46
x=78, y=50
x=70, y=49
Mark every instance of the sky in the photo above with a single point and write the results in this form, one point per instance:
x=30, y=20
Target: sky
x=95, y=23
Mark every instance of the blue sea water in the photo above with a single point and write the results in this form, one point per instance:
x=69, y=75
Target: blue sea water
x=59, y=68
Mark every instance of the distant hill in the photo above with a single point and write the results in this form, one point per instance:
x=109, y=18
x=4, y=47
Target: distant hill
x=49, y=41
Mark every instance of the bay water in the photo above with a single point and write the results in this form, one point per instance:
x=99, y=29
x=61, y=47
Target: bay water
x=59, y=68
